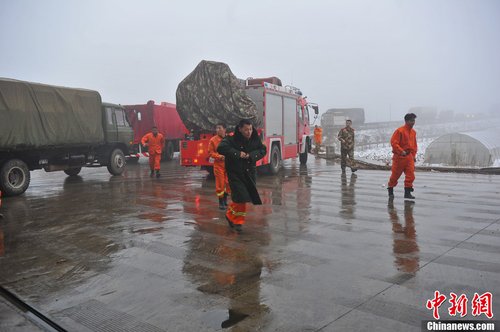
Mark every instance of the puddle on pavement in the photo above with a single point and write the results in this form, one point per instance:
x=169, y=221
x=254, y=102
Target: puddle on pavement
x=155, y=217
x=147, y=230
x=152, y=203
x=223, y=318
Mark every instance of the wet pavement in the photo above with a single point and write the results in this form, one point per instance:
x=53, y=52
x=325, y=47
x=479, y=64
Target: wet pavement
x=14, y=320
x=325, y=252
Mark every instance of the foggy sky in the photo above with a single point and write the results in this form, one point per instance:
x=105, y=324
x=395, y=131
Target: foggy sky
x=385, y=56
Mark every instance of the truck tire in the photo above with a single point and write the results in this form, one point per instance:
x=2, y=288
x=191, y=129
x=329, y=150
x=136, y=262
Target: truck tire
x=73, y=171
x=116, y=162
x=168, y=154
x=275, y=162
x=14, y=177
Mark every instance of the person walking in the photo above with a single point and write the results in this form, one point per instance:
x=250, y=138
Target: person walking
x=404, y=149
x=222, y=189
x=318, y=138
x=346, y=138
x=155, y=143
x=241, y=152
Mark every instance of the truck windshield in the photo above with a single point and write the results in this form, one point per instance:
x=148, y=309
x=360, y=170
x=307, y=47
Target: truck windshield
x=121, y=120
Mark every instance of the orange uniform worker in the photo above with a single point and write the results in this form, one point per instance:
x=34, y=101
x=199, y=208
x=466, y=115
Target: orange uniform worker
x=318, y=137
x=155, y=143
x=404, y=149
x=221, y=183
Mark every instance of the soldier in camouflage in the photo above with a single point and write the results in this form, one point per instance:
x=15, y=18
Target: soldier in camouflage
x=346, y=138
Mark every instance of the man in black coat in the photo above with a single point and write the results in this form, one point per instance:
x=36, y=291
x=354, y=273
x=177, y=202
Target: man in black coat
x=241, y=152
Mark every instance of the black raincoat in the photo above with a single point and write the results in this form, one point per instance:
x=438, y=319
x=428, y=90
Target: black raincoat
x=241, y=172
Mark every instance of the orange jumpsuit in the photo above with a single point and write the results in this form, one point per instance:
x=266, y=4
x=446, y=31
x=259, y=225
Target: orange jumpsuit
x=403, y=139
x=221, y=181
x=155, y=146
x=236, y=212
x=318, y=135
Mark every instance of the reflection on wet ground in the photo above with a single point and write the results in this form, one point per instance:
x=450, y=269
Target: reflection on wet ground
x=231, y=267
x=325, y=251
x=147, y=230
x=348, y=197
x=406, y=252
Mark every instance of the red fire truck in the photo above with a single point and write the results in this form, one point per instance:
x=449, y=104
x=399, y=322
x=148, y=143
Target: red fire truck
x=284, y=114
x=164, y=116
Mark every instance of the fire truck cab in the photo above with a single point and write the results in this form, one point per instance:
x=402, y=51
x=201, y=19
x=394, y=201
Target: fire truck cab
x=285, y=129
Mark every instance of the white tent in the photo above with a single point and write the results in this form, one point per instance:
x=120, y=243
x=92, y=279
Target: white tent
x=473, y=149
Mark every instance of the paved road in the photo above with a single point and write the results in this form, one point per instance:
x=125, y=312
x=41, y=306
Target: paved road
x=324, y=252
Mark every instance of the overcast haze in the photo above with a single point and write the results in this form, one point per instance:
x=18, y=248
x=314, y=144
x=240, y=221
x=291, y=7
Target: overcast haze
x=385, y=56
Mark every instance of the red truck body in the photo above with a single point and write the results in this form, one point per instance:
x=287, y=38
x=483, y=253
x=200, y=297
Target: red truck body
x=164, y=116
x=285, y=131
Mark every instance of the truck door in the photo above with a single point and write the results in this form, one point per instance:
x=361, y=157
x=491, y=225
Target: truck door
x=111, y=131
x=117, y=127
x=304, y=125
x=122, y=126
x=290, y=121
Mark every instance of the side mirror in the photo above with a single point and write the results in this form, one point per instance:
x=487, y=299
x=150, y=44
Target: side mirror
x=316, y=109
x=139, y=116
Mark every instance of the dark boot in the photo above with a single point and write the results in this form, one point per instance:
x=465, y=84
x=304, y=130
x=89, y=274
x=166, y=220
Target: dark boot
x=158, y=174
x=229, y=222
x=225, y=199
x=390, y=190
x=152, y=174
x=221, y=204
x=408, y=193
x=353, y=169
x=238, y=228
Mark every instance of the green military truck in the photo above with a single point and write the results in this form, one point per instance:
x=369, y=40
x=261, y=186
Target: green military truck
x=57, y=129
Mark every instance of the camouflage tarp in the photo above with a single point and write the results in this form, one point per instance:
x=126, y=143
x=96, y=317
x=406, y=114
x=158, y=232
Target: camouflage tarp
x=212, y=94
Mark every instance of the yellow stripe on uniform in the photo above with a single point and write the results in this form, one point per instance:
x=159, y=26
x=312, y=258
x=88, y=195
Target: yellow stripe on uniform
x=238, y=214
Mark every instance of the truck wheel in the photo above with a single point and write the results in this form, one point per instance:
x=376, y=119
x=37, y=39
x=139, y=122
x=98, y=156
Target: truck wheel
x=275, y=162
x=14, y=177
x=116, y=162
x=169, y=151
x=73, y=171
